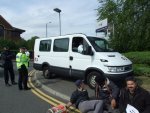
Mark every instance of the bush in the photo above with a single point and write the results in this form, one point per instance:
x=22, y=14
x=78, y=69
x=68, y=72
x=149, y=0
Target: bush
x=139, y=57
x=141, y=62
x=141, y=70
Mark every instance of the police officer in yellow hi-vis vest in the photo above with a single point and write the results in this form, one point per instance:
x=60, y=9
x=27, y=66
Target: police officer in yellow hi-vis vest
x=22, y=65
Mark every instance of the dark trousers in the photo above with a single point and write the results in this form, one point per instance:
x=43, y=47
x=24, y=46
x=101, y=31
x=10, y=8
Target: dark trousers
x=23, y=78
x=9, y=71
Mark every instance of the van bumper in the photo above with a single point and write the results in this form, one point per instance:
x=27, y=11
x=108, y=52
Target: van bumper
x=119, y=76
x=37, y=66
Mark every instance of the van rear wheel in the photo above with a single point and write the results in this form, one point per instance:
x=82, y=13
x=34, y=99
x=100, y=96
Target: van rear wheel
x=46, y=73
x=91, y=78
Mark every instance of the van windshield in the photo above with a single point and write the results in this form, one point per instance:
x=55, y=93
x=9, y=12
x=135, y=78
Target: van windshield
x=100, y=45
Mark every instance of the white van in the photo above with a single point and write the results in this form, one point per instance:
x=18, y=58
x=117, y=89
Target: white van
x=62, y=55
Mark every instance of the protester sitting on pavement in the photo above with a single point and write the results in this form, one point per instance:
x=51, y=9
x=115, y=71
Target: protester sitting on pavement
x=107, y=91
x=135, y=96
x=81, y=100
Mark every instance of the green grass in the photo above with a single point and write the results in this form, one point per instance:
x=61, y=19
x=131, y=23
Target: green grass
x=141, y=70
x=144, y=82
x=141, y=67
x=141, y=62
x=139, y=57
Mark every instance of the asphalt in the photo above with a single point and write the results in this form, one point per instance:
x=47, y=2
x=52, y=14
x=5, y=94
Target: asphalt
x=58, y=86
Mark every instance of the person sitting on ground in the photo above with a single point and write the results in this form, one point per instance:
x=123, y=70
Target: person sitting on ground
x=81, y=100
x=135, y=96
x=107, y=91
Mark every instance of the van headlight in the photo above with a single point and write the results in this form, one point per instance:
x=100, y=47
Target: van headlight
x=116, y=69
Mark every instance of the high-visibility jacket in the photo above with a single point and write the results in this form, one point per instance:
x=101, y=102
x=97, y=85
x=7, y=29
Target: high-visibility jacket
x=22, y=58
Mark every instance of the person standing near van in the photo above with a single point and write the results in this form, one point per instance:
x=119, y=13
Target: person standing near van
x=28, y=54
x=22, y=65
x=8, y=66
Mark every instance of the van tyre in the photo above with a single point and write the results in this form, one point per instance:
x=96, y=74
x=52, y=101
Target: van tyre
x=46, y=73
x=91, y=78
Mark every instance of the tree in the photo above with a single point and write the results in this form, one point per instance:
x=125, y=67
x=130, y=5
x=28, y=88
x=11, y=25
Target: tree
x=30, y=42
x=131, y=23
x=8, y=43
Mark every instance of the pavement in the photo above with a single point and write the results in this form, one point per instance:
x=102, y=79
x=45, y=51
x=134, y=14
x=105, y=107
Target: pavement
x=60, y=87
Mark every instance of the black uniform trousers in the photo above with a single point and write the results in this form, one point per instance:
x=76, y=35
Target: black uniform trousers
x=9, y=70
x=23, y=77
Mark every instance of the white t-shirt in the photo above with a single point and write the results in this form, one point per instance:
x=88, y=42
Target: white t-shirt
x=80, y=48
x=27, y=53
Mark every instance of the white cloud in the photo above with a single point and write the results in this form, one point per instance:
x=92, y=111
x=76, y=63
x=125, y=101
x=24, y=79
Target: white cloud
x=32, y=16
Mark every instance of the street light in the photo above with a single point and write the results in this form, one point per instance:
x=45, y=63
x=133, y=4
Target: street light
x=46, y=28
x=58, y=11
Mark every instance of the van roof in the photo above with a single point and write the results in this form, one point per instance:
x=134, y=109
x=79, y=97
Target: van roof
x=65, y=35
x=73, y=34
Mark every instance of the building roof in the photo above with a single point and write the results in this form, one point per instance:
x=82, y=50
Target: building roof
x=18, y=30
x=8, y=26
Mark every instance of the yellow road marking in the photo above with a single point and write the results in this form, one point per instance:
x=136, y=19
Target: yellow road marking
x=45, y=97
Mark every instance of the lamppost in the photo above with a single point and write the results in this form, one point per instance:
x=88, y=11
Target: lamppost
x=58, y=11
x=46, y=28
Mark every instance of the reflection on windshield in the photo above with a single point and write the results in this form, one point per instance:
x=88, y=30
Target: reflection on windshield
x=100, y=45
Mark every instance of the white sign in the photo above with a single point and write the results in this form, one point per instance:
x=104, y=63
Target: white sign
x=131, y=109
x=103, y=23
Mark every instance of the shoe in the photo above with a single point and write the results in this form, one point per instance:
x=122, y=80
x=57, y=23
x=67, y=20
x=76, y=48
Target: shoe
x=14, y=83
x=20, y=88
x=27, y=88
x=8, y=84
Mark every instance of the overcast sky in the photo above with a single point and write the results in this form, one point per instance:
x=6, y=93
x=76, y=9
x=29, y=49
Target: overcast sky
x=77, y=16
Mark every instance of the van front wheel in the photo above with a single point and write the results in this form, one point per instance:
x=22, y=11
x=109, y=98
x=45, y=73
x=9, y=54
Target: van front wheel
x=46, y=73
x=91, y=79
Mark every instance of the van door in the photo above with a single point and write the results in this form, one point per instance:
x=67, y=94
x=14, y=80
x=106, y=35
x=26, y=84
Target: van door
x=79, y=61
x=60, y=56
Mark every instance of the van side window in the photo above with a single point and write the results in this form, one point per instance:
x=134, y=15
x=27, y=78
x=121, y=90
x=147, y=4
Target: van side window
x=79, y=45
x=61, y=45
x=76, y=42
x=45, y=45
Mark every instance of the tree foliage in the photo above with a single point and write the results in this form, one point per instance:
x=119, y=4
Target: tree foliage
x=30, y=42
x=131, y=20
x=8, y=43
x=15, y=45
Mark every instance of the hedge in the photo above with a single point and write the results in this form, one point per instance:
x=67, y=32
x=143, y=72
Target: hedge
x=141, y=70
x=139, y=57
x=141, y=62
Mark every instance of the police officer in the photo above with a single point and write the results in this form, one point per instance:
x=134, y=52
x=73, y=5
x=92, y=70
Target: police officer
x=28, y=54
x=8, y=66
x=22, y=64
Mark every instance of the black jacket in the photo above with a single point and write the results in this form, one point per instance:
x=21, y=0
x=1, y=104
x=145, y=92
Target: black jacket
x=7, y=59
x=140, y=100
x=106, y=94
x=79, y=96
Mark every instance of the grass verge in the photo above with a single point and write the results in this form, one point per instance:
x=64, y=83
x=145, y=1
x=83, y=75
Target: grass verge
x=144, y=82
